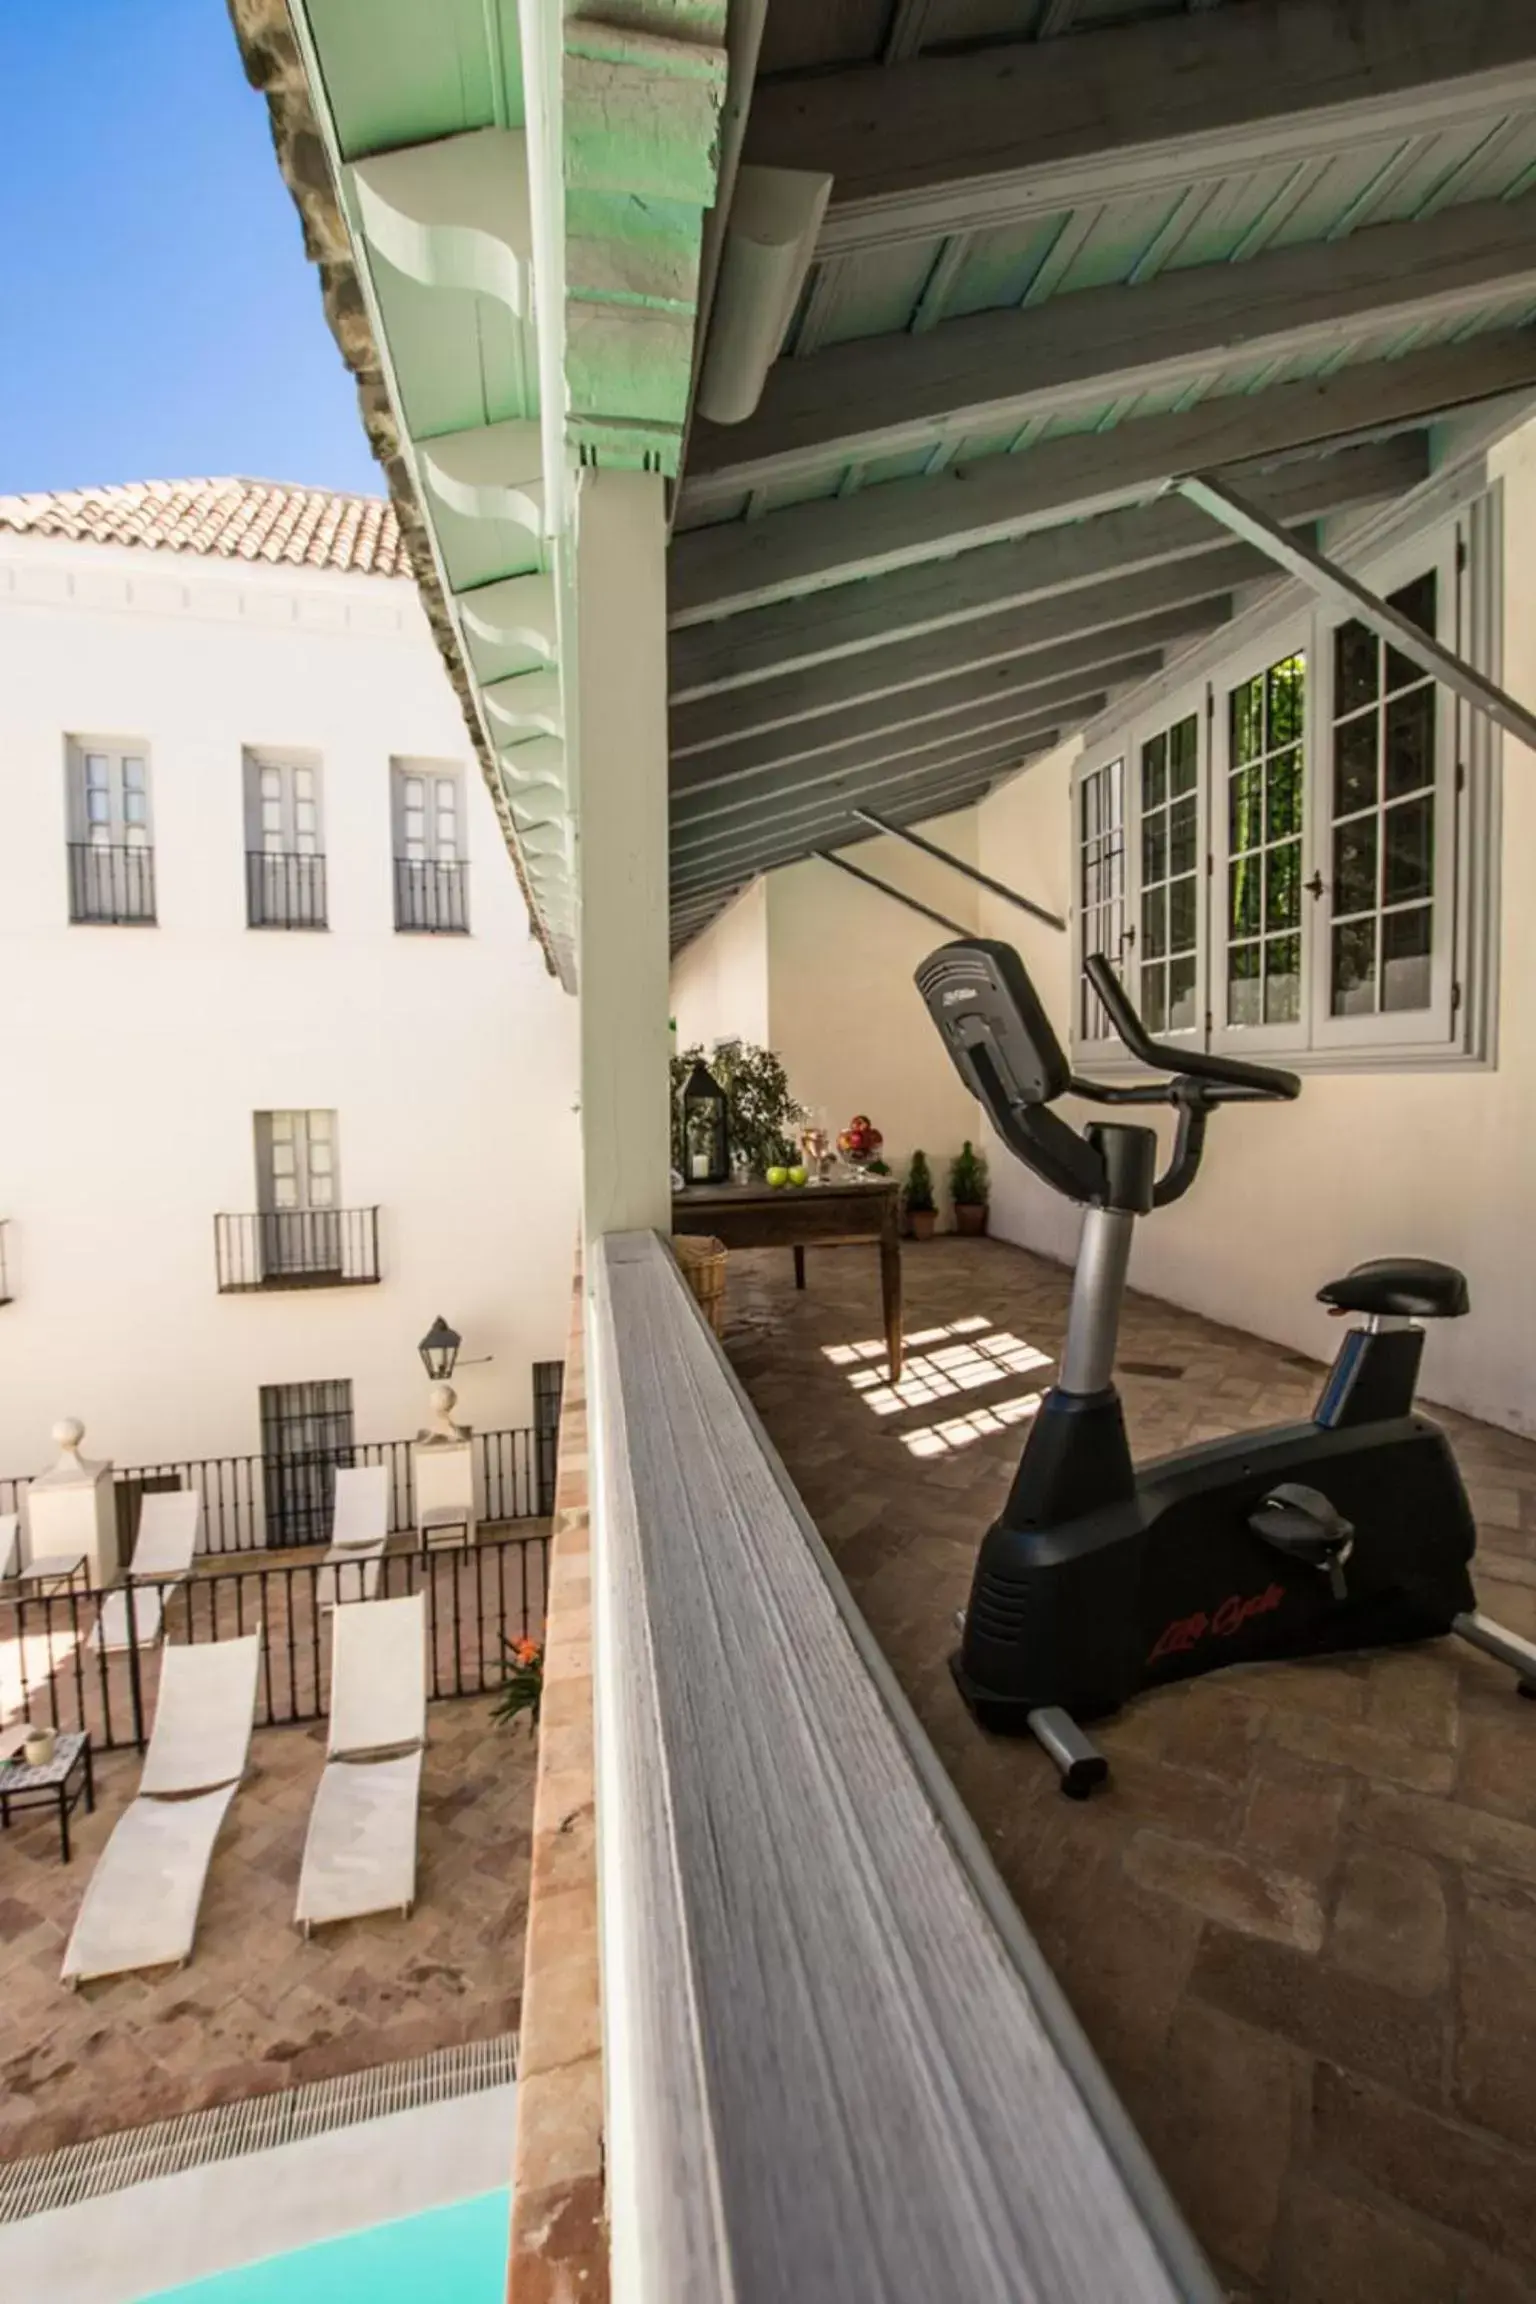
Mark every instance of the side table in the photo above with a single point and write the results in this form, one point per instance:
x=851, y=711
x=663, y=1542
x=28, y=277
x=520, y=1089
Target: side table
x=68, y=1776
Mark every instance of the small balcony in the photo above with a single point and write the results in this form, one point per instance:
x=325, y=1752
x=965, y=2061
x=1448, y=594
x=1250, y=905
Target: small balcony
x=284, y=891
x=112, y=884
x=432, y=898
x=296, y=1248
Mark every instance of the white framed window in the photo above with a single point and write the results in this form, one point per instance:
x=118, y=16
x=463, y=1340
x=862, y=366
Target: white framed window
x=430, y=867
x=1101, y=880
x=1297, y=874
x=110, y=833
x=429, y=813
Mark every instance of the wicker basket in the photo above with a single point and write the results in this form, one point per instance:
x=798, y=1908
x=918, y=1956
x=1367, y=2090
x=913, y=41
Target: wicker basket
x=702, y=1260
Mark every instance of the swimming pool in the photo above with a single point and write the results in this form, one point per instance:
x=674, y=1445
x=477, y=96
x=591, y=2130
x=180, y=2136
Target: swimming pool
x=457, y=2254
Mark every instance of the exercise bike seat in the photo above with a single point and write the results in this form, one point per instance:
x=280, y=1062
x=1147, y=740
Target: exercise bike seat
x=1400, y=1287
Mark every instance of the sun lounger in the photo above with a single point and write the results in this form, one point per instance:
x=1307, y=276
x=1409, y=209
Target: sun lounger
x=359, y=1531
x=360, y=1849
x=169, y=1519
x=140, y=1909
x=162, y=1557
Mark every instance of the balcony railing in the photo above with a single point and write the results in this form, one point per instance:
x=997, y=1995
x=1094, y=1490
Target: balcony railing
x=432, y=898
x=283, y=891
x=297, y=1248
x=112, y=884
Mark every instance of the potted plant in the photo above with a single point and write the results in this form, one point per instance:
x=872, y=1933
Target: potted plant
x=922, y=1215
x=968, y=1184
x=522, y=1683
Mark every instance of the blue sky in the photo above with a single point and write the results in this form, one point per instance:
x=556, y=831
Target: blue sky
x=158, y=319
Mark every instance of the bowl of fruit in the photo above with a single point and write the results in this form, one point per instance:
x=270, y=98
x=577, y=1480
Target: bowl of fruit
x=860, y=1141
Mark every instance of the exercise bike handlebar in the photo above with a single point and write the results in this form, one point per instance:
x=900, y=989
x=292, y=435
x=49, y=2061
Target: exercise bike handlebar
x=1224, y=1078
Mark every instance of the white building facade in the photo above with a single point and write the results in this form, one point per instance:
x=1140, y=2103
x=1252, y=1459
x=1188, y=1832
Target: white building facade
x=287, y=1077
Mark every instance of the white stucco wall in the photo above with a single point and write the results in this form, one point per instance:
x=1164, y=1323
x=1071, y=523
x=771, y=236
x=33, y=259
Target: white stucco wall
x=134, y=1057
x=1432, y=1163
x=845, y=1014
x=720, y=980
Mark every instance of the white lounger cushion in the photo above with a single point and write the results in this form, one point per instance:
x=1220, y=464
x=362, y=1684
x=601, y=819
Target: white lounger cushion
x=140, y=1910
x=202, y=1729
x=109, y=1633
x=167, y=1538
x=360, y=1512
x=379, y=1677
x=360, y=1849
x=349, y=1572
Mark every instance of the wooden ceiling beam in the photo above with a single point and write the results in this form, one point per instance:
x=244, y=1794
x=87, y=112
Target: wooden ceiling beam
x=729, y=569
x=958, y=142
x=885, y=395
x=795, y=635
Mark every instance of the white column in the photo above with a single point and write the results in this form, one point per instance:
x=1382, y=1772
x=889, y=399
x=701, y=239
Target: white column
x=619, y=690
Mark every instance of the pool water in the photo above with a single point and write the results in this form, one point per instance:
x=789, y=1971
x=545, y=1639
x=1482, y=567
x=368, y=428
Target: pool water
x=455, y=2255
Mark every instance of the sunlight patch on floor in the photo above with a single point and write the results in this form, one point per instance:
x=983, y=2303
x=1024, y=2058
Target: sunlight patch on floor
x=940, y=1363
x=959, y=1431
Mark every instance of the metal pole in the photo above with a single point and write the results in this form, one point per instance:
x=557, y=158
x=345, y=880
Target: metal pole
x=854, y=872
x=958, y=864
x=1333, y=583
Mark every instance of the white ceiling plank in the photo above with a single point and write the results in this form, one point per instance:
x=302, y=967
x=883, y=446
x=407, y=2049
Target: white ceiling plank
x=974, y=140
x=728, y=569
x=885, y=395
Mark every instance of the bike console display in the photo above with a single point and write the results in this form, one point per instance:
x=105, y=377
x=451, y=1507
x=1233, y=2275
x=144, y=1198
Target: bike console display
x=981, y=999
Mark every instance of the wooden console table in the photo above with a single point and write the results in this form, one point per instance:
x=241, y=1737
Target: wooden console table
x=801, y=1216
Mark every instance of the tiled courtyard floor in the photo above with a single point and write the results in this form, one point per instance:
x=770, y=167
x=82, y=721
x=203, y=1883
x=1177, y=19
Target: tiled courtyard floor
x=258, y=2008
x=1300, y=1929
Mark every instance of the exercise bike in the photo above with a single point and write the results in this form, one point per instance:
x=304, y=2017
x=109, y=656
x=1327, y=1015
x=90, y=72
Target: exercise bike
x=1352, y=1531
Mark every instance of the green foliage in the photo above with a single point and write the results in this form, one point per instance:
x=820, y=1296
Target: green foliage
x=877, y=1167
x=522, y=1682
x=968, y=1179
x=761, y=1110
x=919, y=1186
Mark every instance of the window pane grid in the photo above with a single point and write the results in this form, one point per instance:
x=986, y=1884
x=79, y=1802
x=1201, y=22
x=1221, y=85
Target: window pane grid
x=1102, y=879
x=1170, y=877
x=1265, y=807
x=1383, y=818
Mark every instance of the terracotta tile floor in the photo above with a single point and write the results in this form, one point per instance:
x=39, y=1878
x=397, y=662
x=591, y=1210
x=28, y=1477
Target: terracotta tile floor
x=1301, y=1928
x=258, y=2008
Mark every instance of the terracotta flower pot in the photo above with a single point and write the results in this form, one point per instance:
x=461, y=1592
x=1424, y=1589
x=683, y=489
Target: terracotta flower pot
x=921, y=1221
x=970, y=1216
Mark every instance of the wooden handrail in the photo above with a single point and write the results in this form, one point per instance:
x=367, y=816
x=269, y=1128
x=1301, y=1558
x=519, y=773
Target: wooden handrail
x=836, y=2061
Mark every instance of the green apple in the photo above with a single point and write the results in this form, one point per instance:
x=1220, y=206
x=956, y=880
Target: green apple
x=797, y=1175
x=777, y=1176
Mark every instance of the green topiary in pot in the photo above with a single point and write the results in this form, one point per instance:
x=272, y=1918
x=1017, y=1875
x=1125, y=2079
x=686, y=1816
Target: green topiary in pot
x=968, y=1188
x=922, y=1216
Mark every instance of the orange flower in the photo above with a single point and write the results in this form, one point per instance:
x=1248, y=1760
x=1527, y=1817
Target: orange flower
x=526, y=1652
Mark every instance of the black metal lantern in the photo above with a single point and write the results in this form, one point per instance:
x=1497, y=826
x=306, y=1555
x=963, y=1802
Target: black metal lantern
x=439, y=1350
x=706, y=1141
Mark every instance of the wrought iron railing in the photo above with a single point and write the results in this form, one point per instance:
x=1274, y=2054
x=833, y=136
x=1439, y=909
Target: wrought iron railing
x=284, y=891
x=297, y=1248
x=432, y=898
x=481, y=1597
x=111, y=884
x=273, y=1501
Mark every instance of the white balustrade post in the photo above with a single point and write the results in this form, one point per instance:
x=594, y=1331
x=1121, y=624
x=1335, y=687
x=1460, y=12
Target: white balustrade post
x=71, y=1509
